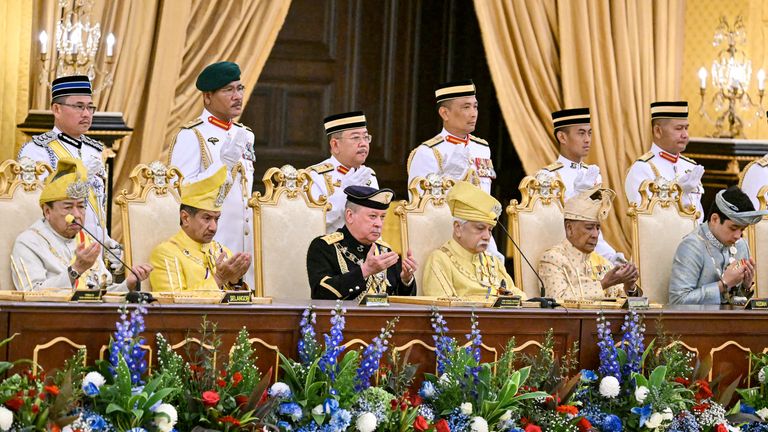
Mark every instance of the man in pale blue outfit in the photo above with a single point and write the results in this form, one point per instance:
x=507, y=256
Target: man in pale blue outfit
x=712, y=264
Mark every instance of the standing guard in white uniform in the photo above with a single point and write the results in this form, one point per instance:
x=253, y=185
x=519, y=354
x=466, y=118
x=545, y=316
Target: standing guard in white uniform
x=350, y=143
x=213, y=140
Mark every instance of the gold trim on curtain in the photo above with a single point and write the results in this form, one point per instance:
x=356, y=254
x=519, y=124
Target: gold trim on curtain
x=613, y=56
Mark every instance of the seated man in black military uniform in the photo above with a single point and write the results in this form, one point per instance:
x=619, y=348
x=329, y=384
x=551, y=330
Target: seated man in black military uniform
x=354, y=260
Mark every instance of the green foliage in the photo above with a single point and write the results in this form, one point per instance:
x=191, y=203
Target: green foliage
x=400, y=373
x=547, y=373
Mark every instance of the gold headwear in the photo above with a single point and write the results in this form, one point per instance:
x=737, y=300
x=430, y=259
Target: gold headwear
x=68, y=182
x=208, y=193
x=471, y=203
x=592, y=205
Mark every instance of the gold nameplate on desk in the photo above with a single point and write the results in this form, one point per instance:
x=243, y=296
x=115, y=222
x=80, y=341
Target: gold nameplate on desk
x=757, y=303
x=87, y=296
x=508, y=302
x=374, y=300
x=237, y=297
x=636, y=303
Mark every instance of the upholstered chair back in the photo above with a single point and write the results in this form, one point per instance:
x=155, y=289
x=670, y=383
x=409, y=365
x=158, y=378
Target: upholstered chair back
x=20, y=188
x=425, y=221
x=659, y=224
x=286, y=219
x=536, y=224
x=758, y=246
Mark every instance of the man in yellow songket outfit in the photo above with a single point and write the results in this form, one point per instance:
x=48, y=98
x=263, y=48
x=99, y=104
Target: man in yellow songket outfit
x=191, y=259
x=463, y=266
x=572, y=270
x=55, y=252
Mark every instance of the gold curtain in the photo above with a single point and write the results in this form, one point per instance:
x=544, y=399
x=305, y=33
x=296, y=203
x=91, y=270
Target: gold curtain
x=16, y=16
x=613, y=56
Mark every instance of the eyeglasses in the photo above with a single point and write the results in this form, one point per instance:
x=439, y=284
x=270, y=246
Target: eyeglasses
x=357, y=139
x=228, y=90
x=81, y=107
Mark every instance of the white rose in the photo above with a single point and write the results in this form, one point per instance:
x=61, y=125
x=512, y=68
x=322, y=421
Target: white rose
x=466, y=408
x=641, y=393
x=444, y=379
x=609, y=387
x=506, y=416
x=366, y=422
x=478, y=424
x=6, y=418
x=163, y=423
x=732, y=428
x=318, y=410
x=94, y=378
x=654, y=421
x=762, y=413
x=761, y=376
x=280, y=389
x=667, y=414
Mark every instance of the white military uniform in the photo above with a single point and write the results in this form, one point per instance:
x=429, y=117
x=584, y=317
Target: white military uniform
x=195, y=153
x=326, y=180
x=566, y=171
x=658, y=163
x=44, y=255
x=431, y=155
x=54, y=145
x=755, y=179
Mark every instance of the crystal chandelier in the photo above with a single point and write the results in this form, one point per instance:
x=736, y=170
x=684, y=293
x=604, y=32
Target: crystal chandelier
x=76, y=44
x=731, y=75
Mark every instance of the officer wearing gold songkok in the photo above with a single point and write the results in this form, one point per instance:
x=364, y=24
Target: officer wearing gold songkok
x=192, y=259
x=572, y=270
x=55, y=252
x=462, y=266
x=73, y=111
x=349, y=143
x=213, y=140
x=354, y=260
x=669, y=121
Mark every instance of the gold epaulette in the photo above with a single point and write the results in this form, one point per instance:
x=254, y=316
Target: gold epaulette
x=381, y=242
x=192, y=123
x=646, y=157
x=434, y=141
x=478, y=140
x=554, y=166
x=763, y=161
x=332, y=238
x=687, y=159
x=321, y=168
x=242, y=126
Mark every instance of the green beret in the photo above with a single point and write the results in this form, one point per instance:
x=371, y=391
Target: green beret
x=217, y=75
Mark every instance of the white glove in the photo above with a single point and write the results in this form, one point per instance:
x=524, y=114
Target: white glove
x=691, y=180
x=116, y=248
x=95, y=167
x=458, y=163
x=233, y=148
x=587, y=178
x=360, y=177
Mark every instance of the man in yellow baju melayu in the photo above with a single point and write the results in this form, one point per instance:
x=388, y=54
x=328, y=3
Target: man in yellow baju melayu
x=191, y=259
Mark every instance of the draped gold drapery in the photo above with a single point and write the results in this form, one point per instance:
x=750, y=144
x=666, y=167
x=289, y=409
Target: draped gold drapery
x=162, y=47
x=613, y=56
x=16, y=17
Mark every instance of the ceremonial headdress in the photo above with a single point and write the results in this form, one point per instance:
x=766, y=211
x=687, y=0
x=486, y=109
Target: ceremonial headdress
x=365, y=196
x=669, y=110
x=208, y=193
x=592, y=205
x=741, y=218
x=344, y=121
x=469, y=202
x=454, y=89
x=569, y=117
x=68, y=182
x=217, y=75
x=75, y=85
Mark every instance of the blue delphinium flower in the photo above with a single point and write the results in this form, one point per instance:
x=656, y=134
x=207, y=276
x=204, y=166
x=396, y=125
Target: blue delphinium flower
x=371, y=357
x=609, y=363
x=644, y=412
x=290, y=409
x=632, y=343
x=443, y=343
x=612, y=423
x=127, y=343
x=684, y=422
x=329, y=359
x=588, y=375
x=475, y=338
x=307, y=343
x=427, y=390
x=284, y=426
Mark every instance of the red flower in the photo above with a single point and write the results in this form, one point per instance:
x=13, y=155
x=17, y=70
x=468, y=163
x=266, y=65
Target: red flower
x=237, y=378
x=52, y=389
x=415, y=400
x=221, y=383
x=35, y=409
x=532, y=428
x=567, y=409
x=721, y=428
x=403, y=406
x=241, y=400
x=32, y=392
x=229, y=419
x=264, y=397
x=420, y=424
x=704, y=392
x=701, y=407
x=223, y=374
x=684, y=381
x=584, y=425
x=442, y=426
x=393, y=404
x=14, y=403
x=210, y=398
x=53, y=427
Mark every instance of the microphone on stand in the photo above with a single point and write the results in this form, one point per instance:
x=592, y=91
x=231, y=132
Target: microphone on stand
x=133, y=296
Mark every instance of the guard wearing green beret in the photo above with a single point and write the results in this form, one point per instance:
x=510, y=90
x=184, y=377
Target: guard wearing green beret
x=213, y=140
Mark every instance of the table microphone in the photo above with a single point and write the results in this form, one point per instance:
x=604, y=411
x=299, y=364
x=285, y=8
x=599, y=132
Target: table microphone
x=133, y=296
